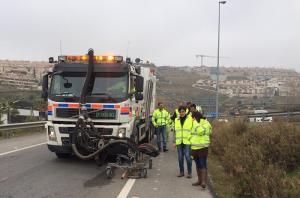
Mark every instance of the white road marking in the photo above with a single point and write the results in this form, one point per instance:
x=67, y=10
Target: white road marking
x=126, y=189
x=21, y=149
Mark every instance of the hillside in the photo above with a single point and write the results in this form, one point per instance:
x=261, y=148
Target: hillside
x=175, y=85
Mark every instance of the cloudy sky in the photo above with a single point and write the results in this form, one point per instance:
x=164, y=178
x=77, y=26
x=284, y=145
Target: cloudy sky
x=168, y=32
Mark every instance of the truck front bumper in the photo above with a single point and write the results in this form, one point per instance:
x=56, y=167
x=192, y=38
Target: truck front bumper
x=60, y=149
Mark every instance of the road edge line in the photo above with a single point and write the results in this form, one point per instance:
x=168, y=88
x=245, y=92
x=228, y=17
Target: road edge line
x=126, y=189
x=21, y=149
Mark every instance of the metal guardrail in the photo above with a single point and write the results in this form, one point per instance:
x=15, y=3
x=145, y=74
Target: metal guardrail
x=274, y=114
x=26, y=125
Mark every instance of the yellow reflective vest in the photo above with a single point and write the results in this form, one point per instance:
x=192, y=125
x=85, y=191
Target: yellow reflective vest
x=200, y=134
x=183, y=132
x=160, y=117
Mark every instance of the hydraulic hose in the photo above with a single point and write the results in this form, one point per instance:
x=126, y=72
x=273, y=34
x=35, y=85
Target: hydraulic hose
x=90, y=156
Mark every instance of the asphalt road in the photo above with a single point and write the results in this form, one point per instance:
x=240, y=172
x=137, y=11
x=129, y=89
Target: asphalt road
x=28, y=169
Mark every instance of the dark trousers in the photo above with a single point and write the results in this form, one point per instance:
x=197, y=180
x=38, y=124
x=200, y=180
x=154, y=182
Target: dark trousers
x=184, y=150
x=201, y=162
x=161, y=133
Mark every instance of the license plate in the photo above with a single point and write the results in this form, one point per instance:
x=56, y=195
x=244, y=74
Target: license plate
x=105, y=114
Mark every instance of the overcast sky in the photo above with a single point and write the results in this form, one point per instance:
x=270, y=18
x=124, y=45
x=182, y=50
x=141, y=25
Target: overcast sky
x=168, y=32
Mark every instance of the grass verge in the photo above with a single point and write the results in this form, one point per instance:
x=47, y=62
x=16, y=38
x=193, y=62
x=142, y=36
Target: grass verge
x=221, y=183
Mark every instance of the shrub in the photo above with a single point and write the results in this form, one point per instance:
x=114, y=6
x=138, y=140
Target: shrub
x=257, y=156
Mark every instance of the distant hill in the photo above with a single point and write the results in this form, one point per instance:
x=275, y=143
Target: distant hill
x=175, y=85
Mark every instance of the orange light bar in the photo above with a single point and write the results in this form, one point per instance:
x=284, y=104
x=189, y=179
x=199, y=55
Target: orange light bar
x=85, y=58
x=98, y=58
x=110, y=58
x=77, y=58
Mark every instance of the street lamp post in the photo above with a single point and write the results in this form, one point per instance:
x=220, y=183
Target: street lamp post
x=218, y=62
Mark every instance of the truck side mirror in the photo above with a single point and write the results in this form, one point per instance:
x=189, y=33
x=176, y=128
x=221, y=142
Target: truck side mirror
x=139, y=84
x=138, y=96
x=51, y=60
x=45, y=87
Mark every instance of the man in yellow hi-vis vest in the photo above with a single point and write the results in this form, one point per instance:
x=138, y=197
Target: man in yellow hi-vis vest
x=160, y=120
x=183, y=128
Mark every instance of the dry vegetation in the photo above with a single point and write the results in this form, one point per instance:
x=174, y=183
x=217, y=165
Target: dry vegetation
x=175, y=85
x=261, y=160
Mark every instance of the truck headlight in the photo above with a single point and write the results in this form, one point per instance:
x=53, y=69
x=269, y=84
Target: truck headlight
x=122, y=132
x=51, y=133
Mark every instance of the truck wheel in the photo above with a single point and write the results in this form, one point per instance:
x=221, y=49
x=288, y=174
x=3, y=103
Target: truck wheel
x=62, y=155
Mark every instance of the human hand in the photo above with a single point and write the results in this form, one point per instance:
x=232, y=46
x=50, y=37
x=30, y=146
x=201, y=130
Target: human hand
x=174, y=146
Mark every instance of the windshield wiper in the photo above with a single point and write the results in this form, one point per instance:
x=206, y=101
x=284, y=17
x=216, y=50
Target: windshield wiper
x=97, y=94
x=64, y=94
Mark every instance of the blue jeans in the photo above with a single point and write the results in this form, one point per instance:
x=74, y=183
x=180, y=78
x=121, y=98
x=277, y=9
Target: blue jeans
x=161, y=131
x=184, y=150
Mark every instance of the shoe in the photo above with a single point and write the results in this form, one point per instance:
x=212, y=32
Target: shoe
x=189, y=176
x=165, y=150
x=198, y=183
x=159, y=150
x=180, y=175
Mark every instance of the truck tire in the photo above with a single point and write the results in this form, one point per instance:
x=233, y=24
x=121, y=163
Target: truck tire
x=63, y=155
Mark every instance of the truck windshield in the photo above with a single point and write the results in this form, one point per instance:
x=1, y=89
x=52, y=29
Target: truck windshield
x=107, y=87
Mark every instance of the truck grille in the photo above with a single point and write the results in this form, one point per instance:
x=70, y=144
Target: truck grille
x=103, y=131
x=66, y=113
x=104, y=114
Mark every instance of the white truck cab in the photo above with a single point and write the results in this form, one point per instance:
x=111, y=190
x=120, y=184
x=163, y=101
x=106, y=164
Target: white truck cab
x=120, y=101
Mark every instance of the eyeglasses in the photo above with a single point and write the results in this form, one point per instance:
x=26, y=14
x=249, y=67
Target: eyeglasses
x=182, y=111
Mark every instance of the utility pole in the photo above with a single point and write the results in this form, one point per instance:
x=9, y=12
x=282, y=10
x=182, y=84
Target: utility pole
x=60, y=47
x=218, y=61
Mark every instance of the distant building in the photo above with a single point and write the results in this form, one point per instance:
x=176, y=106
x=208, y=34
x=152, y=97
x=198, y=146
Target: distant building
x=249, y=81
x=23, y=75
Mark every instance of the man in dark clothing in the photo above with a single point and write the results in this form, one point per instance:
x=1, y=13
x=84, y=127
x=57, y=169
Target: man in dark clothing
x=183, y=127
